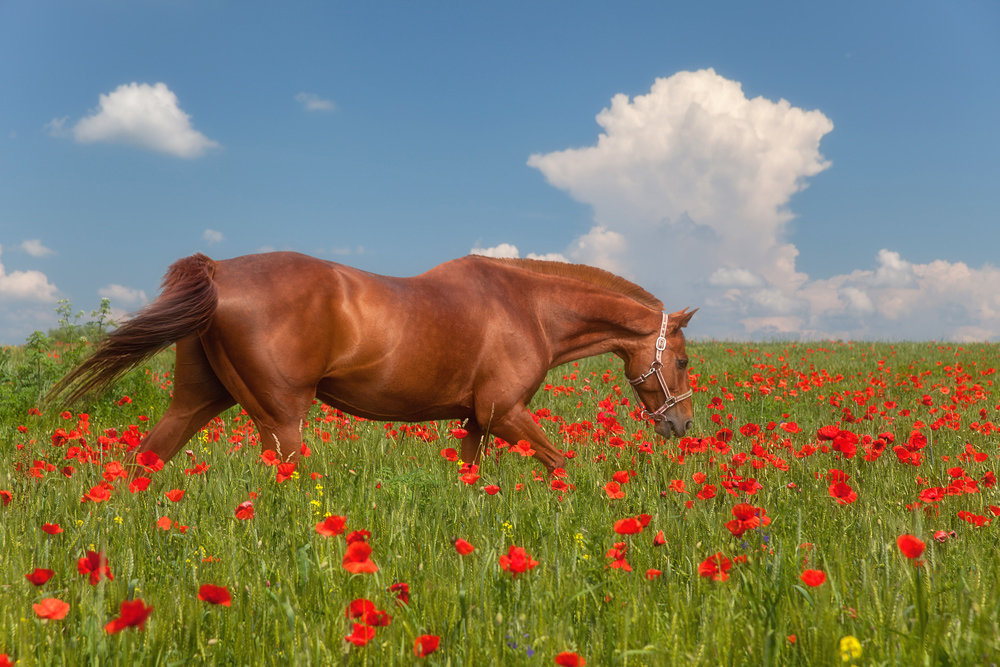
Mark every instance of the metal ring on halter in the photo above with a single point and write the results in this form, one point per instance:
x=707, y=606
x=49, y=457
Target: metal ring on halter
x=670, y=400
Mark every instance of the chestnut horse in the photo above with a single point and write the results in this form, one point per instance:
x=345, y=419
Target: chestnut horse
x=471, y=339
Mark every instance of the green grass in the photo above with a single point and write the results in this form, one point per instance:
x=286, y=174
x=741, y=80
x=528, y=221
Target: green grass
x=290, y=590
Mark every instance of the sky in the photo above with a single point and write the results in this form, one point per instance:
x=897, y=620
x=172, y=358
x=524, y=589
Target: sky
x=801, y=171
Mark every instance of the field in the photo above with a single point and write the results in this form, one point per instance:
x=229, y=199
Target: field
x=778, y=533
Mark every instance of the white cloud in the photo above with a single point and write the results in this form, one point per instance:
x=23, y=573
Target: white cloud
x=57, y=127
x=313, y=102
x=510, y=250
x=25, y=285
x=212, y=236
x=124, y=296
x=689, y=186
x=141, y=115
x=36, y=248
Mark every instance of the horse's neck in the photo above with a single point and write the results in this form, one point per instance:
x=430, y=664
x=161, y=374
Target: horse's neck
x=584, y=325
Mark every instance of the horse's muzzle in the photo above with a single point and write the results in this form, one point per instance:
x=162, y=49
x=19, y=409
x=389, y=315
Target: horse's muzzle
x=670, y=426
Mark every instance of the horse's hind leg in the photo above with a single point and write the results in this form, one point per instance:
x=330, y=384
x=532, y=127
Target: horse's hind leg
x=198, y=396
x=472, y=443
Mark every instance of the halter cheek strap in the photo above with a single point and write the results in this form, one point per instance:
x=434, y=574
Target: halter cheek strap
x=669, y=400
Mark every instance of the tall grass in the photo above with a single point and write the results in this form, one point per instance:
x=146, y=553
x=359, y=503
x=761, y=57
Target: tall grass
x=290, y=590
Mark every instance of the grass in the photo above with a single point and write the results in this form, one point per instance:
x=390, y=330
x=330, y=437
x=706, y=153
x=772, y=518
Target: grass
x=290, y=591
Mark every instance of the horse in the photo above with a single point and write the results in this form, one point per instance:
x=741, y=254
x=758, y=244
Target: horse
x=471, y=339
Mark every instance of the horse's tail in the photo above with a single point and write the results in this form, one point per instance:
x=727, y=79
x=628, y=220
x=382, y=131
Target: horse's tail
x=187, y=302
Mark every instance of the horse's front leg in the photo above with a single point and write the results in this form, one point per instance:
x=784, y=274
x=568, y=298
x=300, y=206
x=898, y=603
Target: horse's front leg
x=518, y=424
x=472, y=443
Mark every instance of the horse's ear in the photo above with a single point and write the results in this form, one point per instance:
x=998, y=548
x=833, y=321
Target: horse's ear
x=680, y=319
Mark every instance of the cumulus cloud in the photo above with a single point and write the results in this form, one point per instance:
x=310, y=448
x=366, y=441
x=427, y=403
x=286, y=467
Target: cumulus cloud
x=25, y=285
x=36, y=248
x=142, y=115
x=313, y=102
x=212, y=236
x=510, y=250
x=121, y=295
x=690, y=187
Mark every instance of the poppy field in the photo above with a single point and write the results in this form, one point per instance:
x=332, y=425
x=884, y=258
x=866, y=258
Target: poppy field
x=832, y=505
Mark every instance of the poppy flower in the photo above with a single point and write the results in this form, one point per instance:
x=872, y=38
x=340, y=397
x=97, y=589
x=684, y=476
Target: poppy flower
x=463, y=547
x=95, y=565
x=424, y=645
x=614, y=490
x=569, y=659
x=491, y=489
x=621, y=476
x=164, y=523
x=133, y=615
x=377, y=618
x=517, y=561
x=97, y=494
x=459, y=433
x=244, y=510
x=52, y=528
x=659, y=540
x=138, y=484
x=331, y=525
x=5, y=660
x=813, y=577
x=628, y=526
x=523, y=447
x=652, y=573
x=356, y=558
x=51, y=608
x=715, y=567
x=402, y=591
x=285, y=472
x=213, y=594
x=361, y=535
x=449, y=453
x=359, y=608
x=843, y=493
x=174, y=495
x=617, y=555
x=39, y=576
x=150, y=461
x=361, y=635
x=910, y=546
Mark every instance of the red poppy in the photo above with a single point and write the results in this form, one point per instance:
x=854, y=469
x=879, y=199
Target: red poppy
x=244, y=510
x=459, y=433
x=358, y=536
x=843, y=493
x=359, y=608
x=95, y=565
x=402, y=591
x=5, y=660
x=52, y=528
x=39, y=576
x=517, y=561
x=138, y=484
x=469, y=474
x=51, y=608
x=491, y=489
x=652, y=573
x=133, y=615
x=285, y=472
x=523, y=447
x=628, y=526
x=150, y=461
x=356, y=558
x=331, y=525
x=706, y=492
x=424, y=645
x=659, y=540
x=621, y=476
x=910, y=546
x=614, y=490
x=569, y=659
x=463, y=547
x=715, y=567
x=97, y=494
x=361, y=635
x=746, y=519
x=617, y=555
x=164, y=523
x=813, y=577
x=174, y=495
x=213, y=594
x=449, y=453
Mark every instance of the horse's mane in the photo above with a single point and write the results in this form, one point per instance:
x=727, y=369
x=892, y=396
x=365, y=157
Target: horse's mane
x=587, y=274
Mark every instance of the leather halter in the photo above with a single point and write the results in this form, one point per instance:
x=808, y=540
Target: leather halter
x=669, y=400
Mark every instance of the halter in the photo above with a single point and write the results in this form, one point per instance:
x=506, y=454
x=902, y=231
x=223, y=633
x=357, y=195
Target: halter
x=669, y=400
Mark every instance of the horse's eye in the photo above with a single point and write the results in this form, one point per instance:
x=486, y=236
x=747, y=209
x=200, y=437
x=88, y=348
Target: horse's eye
x=682, y=364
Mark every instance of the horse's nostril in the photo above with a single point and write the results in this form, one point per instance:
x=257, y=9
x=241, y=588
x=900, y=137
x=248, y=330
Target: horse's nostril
x=688, y=424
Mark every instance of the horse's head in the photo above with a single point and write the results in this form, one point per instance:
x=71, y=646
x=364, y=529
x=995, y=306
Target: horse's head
x=665, y=383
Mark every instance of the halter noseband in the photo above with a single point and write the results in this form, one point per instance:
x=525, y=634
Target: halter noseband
x=669, y=400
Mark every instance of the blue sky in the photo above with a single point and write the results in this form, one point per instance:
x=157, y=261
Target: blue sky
x=797, y=170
